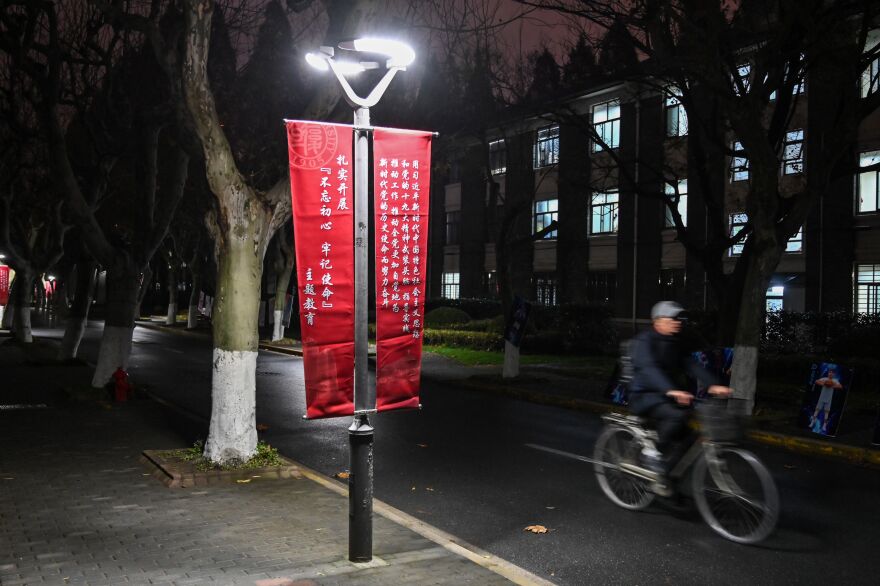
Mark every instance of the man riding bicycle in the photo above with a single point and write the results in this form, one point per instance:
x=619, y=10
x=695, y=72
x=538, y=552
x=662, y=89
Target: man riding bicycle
x=658, y=361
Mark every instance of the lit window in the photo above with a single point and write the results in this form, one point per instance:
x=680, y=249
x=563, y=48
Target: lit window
x=798, y=87
x=450, y=286
x=739, y=163
x=545, y=290
x=546, y=147
x=796, y=242
x=453, y=220
x=737, y=223
x=603, y=213
x=793, y=153
x=681, y=193
x=498, y=157
x=743, y=76
x=871, y=74
x=775, y=298
x=868, y=186
x=606, y=123
x=867, y=289
x=676, y=116
x=546, y=211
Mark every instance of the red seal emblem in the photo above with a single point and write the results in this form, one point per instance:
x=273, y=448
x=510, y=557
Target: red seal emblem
x=311, y=146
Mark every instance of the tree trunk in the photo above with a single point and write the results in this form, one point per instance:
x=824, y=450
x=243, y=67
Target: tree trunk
x=193, y=310
x=123, y=287
x=79, y=310
x=145, y=281
x=511, y=361
x=750, y=323
x=171, y=317
x=21, y=318
x=233, y=434
x=281, y=284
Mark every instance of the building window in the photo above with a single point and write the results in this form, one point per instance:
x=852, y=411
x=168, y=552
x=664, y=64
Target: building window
x=545, y=290
x=871, y=74
x=546, y=211
x=796, y=242
x=868, y=187
x=744, y=77
x=453, y=220
x=793, y=153
x=498, y=157
x=671, y=193
x=799, y=87
x=450, y=286
x=774, y=298
x=867, y=289
x=606, y=123
x=739, y=163
x=737, y=223
x=676, y=116
x=601, y=287
x=546, y=147
x=671, y=284
x=603, y=213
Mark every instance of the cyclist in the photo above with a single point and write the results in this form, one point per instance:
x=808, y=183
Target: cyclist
x=659, y=360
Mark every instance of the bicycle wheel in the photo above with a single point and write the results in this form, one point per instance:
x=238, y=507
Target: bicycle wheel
x=737, y=498
x=616, y=446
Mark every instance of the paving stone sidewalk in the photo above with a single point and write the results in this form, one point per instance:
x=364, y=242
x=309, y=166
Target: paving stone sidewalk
x=77, y=507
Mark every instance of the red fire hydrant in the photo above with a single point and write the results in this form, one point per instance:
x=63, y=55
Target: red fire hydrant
x=121, y=387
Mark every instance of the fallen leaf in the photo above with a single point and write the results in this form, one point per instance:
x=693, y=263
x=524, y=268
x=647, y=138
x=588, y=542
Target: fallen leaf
x=262, y=427
x=342, y=475
x=536, y=529
x=413, y=488
x=243, y=480
x=428, y=488
x=550, y=508
x=256, y=476
x=422, y=445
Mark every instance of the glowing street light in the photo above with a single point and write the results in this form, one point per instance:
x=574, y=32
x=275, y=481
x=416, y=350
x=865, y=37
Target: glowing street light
x=358, y=56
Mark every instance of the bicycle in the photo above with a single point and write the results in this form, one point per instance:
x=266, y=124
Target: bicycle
x=734, y=492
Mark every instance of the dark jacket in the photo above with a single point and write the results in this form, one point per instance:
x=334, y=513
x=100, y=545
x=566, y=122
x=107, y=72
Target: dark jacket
x=658, y=361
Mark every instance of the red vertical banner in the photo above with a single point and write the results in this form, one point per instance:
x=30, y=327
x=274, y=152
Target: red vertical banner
x=4, y=285
x=322, y=191
x=402, y=163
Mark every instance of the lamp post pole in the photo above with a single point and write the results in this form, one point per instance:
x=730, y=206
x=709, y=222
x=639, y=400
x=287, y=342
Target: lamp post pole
x=360, y=433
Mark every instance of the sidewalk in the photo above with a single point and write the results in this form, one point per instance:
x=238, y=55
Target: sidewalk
x=77, y=507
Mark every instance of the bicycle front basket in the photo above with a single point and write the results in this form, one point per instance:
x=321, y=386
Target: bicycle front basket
x=718, y=425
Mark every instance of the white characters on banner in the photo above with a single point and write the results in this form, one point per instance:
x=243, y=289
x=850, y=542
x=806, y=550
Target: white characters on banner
x=400, y=241
x=317, y=292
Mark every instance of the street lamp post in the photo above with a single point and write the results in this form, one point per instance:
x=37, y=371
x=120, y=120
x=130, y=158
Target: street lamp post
x=395, y=56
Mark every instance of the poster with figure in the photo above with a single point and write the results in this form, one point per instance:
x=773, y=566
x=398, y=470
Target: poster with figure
x=825, y=398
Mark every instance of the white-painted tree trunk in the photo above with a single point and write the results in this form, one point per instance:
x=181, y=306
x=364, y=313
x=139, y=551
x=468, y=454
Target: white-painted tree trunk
x=743, y=380
x=171, y=317
x=511, y=361
x=73, y=333
x=192, y=315
x=115, y=352
x=278, y=328
x=232, y=435
x=8, y=312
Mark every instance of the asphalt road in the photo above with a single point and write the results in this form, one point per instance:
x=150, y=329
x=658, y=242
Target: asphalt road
x=463, y=464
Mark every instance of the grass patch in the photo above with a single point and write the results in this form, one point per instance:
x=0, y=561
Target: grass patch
x=266, y=457
x=469, y=357
x=281, y=342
